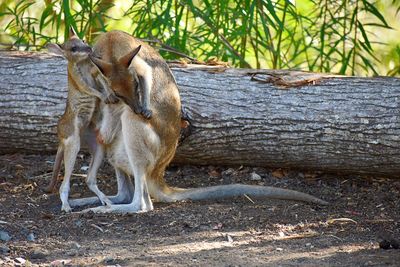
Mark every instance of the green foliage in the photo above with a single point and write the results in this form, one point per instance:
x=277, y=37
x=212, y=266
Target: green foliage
x=346, y=37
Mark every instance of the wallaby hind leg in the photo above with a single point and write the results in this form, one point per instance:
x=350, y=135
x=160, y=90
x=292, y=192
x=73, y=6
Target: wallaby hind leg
x=71, y=149
x=123, y=196
x=141, y=202
x=91, y=180
x=50, y=188
x=141, y=152
x=125, y=188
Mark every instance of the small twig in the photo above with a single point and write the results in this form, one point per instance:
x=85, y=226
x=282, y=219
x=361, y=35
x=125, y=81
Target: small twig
x=338, y=238
x=168, y=48
x=278, y=80
x=44, y=175
x=249, y=198
x=300, y=236
x=208, y=68
x=79, y=175
x=97, y=227
x=330, y=221
x=178, y=53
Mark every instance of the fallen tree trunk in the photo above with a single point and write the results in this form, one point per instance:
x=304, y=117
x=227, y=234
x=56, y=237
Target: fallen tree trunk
x=239, y=117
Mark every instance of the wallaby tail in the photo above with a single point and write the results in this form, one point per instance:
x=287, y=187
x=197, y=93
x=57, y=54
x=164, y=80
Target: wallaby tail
x=56, y=170
x=170, y=194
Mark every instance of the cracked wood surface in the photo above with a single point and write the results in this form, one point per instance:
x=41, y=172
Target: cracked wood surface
x=339, y=124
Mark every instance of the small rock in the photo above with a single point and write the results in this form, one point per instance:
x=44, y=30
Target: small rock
x=389, y=243
x=204, y=227
x=281, y=234
x=39, y=254
x=308, y=244
x=59, y=263
x=31, y=237
x=279, y=173
x=279, y=249
x=19, y=166
x=217, y=227
x=214, y=173
x=81, y=253
x=228, y=171
x=44, y=197
x=255, y=177
x=76, y=245
x=4, y=236
x=4, y=249
x=21, y=261
x=230, y=239
x=71, y=253
x=109, y=260
x=78, y=223
x=84, y=168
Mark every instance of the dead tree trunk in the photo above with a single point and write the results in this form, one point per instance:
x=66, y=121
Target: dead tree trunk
x=340, y=124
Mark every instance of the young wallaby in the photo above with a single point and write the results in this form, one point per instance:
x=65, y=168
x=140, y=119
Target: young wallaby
x=143, y=148
x=86, y=87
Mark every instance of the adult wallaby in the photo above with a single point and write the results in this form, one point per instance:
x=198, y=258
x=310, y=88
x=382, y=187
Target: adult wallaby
x=143, y=148
x=142, y=74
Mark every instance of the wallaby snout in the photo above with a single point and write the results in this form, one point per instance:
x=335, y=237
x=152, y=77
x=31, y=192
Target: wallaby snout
x=83, y=48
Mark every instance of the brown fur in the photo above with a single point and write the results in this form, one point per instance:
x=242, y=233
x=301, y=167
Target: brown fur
x=164, y=96
x=144, y=148
x=131, y=79
x=80, y=113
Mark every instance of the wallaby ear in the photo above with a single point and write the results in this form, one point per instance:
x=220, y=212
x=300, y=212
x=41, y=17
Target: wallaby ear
x=55, y=49
x=127, y=59
x=72, y=32
x=104, y=66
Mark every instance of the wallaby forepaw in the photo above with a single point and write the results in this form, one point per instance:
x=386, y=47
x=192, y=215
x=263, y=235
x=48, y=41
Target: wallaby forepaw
x=147, y=113
x=111, y=99
x=136, y=109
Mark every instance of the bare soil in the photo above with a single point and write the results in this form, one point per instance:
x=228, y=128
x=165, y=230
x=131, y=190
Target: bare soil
x=234, y=232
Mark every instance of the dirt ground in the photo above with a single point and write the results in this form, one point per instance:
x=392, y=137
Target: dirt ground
x=235, y=232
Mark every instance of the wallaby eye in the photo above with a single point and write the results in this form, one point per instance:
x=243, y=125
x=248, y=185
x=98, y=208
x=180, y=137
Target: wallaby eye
x=74, y=49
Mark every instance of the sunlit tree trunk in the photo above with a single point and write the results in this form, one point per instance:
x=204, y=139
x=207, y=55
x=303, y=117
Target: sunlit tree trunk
x=340, y=124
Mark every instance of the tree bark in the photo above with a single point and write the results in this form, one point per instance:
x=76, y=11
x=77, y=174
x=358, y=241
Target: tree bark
x=238, y=116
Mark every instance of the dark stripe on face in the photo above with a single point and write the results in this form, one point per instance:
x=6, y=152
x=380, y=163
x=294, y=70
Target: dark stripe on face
x=86, y=49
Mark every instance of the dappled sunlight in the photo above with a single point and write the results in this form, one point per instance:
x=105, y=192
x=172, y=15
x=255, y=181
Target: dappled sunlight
x=231, y=232
x=240, y=247
x=319, y=253
x=224, y=240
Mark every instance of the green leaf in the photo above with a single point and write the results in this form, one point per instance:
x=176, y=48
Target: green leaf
x=365, y=36
x=346, y=62
x=368, y=65
x=373, y=10
x=45, y=14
